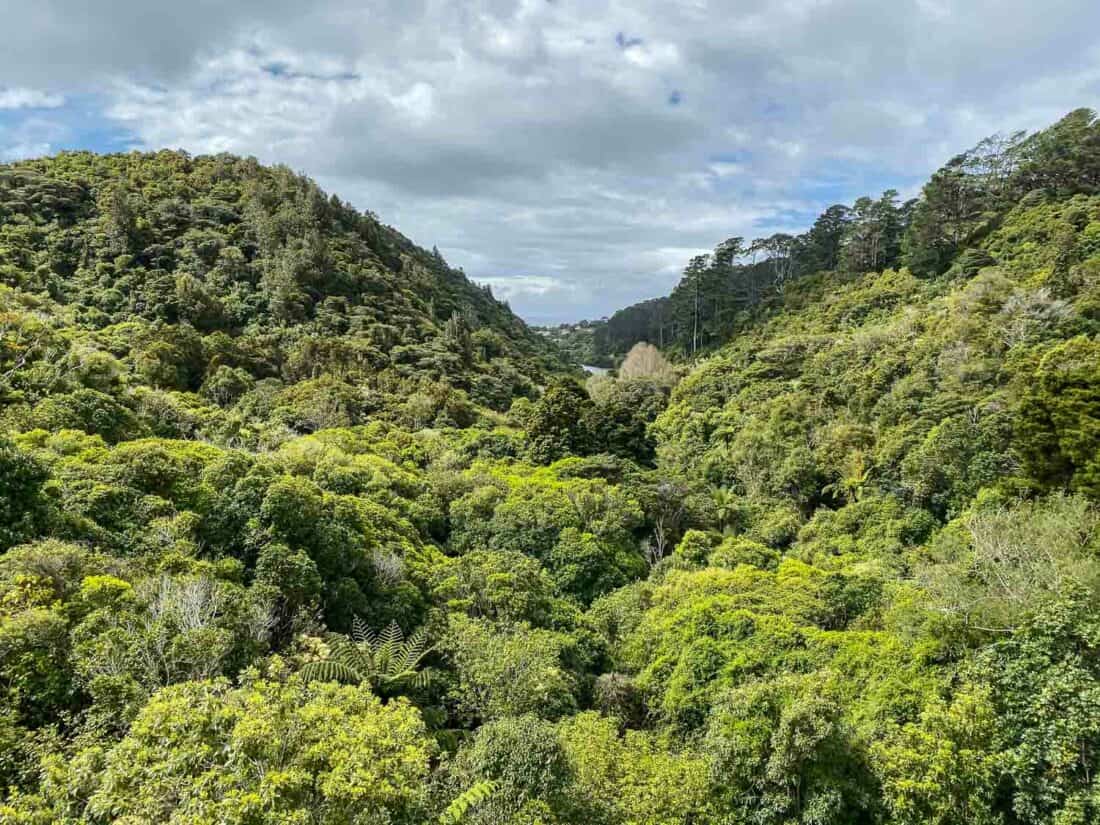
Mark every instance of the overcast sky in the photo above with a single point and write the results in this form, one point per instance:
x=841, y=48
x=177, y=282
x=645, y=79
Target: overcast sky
x=572, y=153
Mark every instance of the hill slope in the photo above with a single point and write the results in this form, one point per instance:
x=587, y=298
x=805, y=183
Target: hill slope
x=942, y=230
x=210, y=273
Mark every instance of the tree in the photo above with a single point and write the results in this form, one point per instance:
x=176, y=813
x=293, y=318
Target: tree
x=645, y=361
x=945, y=216
x=779, y=753
x=267, y=752
x=87, y=410
x=561, y=422
x=872, y=240
x=945, y=768
x=854, y=476
x=505, y=586
x=456, y=335
x=634, y=776
x=508, y=671
x=1014, y=560
x=721, y=273
x=1045, y=691
x=726, y=507
x=584, y=567
x=624, y=410
x=779, y=252
x=666, y=506
x=1064, y=159
x=1060, y=433
x=169, y=629
x=521, y=756
x=958, y=201
x=22, y=506
x=36, y=685
x=688, y=304
x=119, y=221
x=654, y=321
x=822, y=244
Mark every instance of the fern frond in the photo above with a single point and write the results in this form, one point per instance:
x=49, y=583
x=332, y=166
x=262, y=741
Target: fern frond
x=466, y=801
x=330, y=670
x=361, y=632
x=392, y=635
x=421, y=679
x=351, y=656
x=385, y=658
x=412, y=662
x=414, y=648
x=344, y=650
x=389, y=655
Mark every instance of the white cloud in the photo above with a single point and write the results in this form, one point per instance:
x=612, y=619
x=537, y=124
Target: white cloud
x=653, y=56
x=30, y=136
x=579, y=150
x=20, y=151
x=533, y=285
x=418, y=103
x=16, y=98
x=725, y=169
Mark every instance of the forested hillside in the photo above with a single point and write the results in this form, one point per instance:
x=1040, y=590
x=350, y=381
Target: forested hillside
x=722, y=292
x=208, y=275
x=298, y=526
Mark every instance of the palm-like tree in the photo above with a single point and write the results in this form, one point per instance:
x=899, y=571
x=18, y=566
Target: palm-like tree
x=856, y=474
x=387, y=660
x=725, y=505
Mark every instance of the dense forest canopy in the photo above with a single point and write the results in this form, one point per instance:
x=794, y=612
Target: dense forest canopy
x=223, y=260
x=297, y=525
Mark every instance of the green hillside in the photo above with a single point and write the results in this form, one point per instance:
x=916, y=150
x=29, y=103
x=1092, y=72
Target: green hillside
x=299, y=526
x=206, y=275
x=722, y=294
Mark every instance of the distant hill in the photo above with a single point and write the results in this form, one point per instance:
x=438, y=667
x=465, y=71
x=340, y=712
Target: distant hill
x=944, y=231
x=578, y=342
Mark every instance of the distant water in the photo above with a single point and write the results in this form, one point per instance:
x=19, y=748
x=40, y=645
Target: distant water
x=594, y=370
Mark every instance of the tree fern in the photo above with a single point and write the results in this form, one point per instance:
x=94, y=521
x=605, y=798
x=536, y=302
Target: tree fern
x=386, y=660
x=466, y=801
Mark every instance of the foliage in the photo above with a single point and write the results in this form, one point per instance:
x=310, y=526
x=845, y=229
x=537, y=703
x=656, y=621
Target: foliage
x=467, y=801
x=266, y=752
x=385, y=660
x=509, y=671
x=822, y=551
x=21, y=501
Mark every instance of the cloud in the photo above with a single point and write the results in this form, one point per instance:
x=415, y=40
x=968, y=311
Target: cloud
x=30, y=135
x=19, y=151
x=573, y=153
x=527, y=286
x=29, y=99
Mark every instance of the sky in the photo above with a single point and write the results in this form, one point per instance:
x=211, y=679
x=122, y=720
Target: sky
x=573, y=154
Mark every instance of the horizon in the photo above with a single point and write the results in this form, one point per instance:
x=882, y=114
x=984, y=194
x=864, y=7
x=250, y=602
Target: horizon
x=572, y=156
